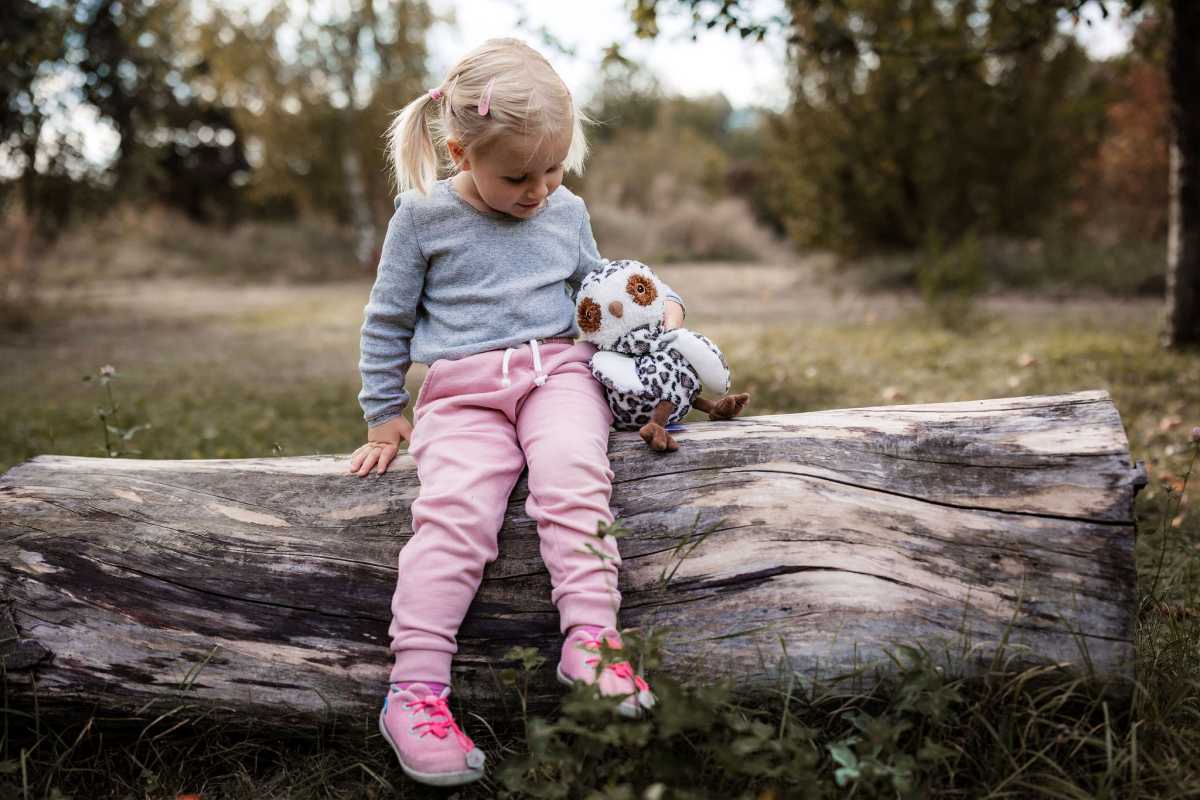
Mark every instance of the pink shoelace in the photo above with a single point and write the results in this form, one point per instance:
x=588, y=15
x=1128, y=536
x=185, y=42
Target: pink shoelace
x=436, y=706
x=622, y=669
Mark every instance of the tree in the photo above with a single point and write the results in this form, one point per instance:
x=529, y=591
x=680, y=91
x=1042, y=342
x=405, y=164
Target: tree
x=830, y=29
x=314, y=85
x=139, y=66
x=128, y=63
x=927, y=137
x=1120, y=189
x=33, y=36
x=1183, y=237
x=43, y=166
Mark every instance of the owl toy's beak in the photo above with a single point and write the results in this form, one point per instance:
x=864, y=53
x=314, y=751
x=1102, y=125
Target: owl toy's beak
x=616, y=309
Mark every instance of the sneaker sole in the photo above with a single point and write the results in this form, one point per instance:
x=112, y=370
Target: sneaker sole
x=429, y=778
x=628, y=708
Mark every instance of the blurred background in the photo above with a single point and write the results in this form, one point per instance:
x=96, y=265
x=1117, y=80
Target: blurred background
x=863, y=202
x=1033, y=139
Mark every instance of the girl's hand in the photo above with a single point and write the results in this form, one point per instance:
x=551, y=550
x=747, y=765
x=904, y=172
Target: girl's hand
x=672, y=315
x=383, y=443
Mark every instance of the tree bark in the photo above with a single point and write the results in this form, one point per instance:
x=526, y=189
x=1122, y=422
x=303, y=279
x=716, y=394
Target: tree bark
x=260, y=589
x=1183, y=236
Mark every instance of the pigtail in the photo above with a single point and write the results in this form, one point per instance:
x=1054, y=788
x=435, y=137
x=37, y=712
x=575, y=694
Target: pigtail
x=410, y=147
x=502, y=87
x=578, y=150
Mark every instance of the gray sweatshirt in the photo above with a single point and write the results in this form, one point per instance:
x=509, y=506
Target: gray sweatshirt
x=454, y=281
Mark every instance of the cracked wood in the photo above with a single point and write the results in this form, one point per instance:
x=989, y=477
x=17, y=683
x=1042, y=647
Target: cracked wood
x=260, y=588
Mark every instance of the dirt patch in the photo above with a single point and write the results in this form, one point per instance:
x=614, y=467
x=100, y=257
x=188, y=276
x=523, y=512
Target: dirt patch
x=314, y=328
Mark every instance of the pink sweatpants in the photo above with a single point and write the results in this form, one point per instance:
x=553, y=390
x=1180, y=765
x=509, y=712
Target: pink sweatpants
x=472, y=437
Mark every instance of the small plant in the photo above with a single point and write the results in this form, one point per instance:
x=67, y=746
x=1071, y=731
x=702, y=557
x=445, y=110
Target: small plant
x=117, y=440
x=530, y=661
x=950, y=278
x=889, y=750
x=1175, y=494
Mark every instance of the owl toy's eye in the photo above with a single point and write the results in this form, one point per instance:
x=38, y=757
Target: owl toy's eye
x=589, y=315
x=641, y=289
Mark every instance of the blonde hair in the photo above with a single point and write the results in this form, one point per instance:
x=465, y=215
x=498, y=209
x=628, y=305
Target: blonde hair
x=528, y=98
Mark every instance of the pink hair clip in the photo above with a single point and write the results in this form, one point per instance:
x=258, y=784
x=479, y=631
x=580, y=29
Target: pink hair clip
x=485, y=100
x=436, y=94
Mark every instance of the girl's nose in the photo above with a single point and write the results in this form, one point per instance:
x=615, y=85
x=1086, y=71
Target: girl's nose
x=615, y=309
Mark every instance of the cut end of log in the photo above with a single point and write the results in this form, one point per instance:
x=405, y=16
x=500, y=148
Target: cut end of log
x=810, y=543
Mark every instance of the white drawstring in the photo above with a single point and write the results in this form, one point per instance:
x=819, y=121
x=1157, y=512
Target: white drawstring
x=504, y=381
x=540, y=377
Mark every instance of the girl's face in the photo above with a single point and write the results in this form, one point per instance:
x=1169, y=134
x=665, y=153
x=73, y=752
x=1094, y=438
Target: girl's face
x=515, y=174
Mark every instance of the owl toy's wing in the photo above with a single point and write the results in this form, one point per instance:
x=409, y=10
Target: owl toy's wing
x=617, y=372
x=704, y=357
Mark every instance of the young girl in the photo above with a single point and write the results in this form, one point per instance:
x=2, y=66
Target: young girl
x=476, y=279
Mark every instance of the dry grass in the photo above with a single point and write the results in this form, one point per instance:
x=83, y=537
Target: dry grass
x=225, y=370
x=689, y=229
x=152, y=243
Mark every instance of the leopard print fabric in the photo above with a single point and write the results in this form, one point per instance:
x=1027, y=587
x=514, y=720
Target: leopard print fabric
x=665, y=373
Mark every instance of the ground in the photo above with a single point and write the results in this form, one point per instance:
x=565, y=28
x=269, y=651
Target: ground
x=238, y=370
x=225, y=370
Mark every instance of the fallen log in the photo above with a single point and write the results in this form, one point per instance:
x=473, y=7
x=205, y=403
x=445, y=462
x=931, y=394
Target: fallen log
x=813, y=543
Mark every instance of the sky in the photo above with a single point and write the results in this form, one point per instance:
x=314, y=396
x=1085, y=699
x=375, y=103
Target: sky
x=748, y=73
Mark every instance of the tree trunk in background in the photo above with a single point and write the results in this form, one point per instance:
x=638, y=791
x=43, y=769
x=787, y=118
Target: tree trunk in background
x=1183, y=238
x=360, y=209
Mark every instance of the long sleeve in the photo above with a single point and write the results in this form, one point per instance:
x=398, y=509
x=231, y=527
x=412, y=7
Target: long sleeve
x=388, y=321
x=590, y=260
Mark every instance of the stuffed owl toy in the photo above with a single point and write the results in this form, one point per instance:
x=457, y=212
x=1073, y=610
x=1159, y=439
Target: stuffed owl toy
x=652, y=377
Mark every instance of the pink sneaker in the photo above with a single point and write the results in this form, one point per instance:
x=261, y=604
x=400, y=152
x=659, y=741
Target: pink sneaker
x=581, y=659
x=431, y=747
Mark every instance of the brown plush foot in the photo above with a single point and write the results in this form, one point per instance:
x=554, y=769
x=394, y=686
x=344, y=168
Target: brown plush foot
x=654, y=432
x=657, y=437
x=729, y=406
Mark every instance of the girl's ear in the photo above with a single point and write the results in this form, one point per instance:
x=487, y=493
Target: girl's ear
x=458, y=154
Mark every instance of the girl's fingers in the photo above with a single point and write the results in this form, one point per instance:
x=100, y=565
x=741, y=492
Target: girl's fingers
x=367, y=457
x=385, y=458
x=368, y=461
x=360, y=455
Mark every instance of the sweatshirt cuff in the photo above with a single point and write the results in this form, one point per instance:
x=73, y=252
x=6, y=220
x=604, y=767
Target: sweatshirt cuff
x=677, y=299
x=385, y=417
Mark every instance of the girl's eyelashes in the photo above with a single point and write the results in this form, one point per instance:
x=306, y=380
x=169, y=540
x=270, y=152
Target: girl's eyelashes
x=522, y=178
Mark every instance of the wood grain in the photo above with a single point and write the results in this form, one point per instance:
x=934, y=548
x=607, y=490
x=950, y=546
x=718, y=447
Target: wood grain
x=260, y=588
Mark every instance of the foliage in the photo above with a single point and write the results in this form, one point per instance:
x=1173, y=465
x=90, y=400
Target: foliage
x=1120, y=189
x=217, y=109
x=662, y=172
x=137, y=68
x=919, y=732
x=913, y=121
x=950, y=278
x=930, y=121
x=33, y=36
x=314, y=87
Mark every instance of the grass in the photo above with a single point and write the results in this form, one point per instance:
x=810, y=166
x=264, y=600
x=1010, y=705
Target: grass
x=1057, y=263
x=921, y=733
x=220, y=372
